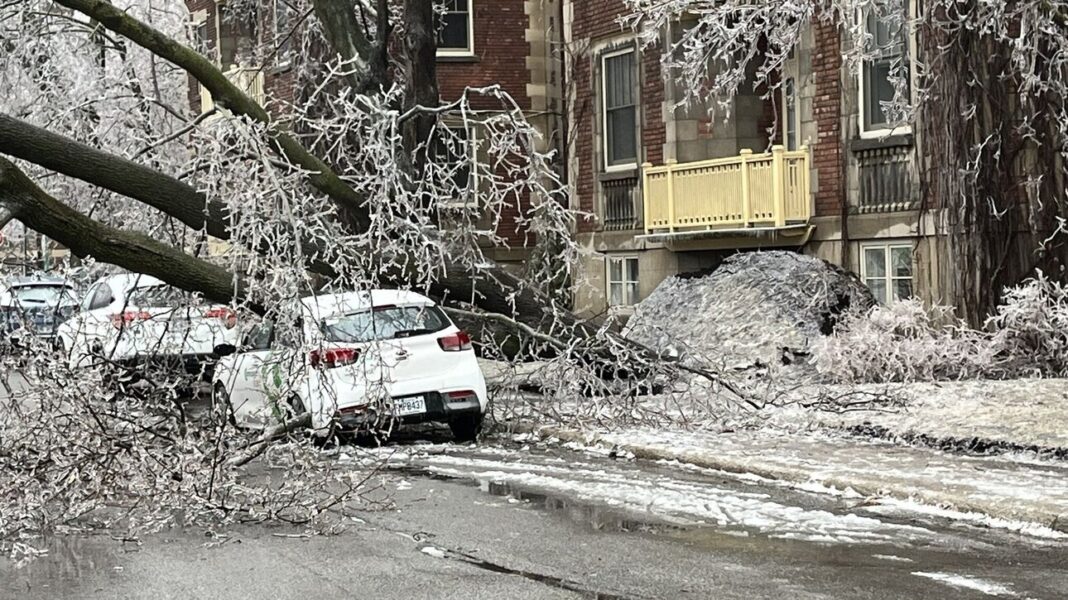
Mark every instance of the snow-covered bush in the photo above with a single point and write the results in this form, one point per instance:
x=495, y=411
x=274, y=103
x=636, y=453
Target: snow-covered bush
x=901, y=342
x=1030, y=328
x=1026, y=337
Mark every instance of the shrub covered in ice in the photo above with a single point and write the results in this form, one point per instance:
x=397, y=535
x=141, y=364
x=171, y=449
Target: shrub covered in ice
x=1026, y=337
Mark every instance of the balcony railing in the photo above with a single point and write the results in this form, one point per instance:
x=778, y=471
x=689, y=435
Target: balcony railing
x=247, y=79
x=769, y=190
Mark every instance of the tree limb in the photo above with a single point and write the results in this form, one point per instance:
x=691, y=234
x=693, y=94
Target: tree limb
x=229, y=96
x=22, y=199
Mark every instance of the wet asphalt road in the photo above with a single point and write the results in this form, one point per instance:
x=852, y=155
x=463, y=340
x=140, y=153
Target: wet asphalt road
x=505, y=520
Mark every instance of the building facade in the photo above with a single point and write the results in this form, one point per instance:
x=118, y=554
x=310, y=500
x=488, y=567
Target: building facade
x=813, y=167
x=510, y=43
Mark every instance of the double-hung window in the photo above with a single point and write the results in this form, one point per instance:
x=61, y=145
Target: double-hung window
x=283, y=30
x=622, y=280
x=456, y=29
x=889, y=51
x=887, y=271
x=620, y=90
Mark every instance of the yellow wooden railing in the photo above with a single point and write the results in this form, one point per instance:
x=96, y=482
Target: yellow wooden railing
x=248, y=79
x=748, y=190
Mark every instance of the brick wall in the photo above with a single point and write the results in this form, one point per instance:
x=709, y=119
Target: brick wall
x=501, y=52
x=595, y=20
x=826, y=108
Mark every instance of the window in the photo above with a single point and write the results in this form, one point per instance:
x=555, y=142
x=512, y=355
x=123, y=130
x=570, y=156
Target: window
x=101, y=297
x=259, y=338
x=619, y=86
x=622, y=281
x=384, y=323
x=888, y=44
x=456, y=30
x=201, y=33
x=283, y=35
x=887, y=271
x=454, y=152
x=790, y=116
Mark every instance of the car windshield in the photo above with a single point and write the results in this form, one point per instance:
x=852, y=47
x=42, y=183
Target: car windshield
x=384, y=323
x=158, y=296
x=49, y=295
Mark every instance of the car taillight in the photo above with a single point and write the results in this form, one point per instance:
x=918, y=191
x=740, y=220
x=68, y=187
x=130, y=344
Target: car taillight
x=333, y=357
x=227, y=316
x=121, y=319
x=455, y=342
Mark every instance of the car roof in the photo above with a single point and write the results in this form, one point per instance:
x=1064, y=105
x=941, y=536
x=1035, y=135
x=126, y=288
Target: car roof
x=332, y=304
x=130, y=281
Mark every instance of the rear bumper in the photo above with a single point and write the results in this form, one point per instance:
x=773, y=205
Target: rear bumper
x=190, y=364
x=438, y=408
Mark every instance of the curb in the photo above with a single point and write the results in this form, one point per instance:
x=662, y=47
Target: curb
x=871, y=486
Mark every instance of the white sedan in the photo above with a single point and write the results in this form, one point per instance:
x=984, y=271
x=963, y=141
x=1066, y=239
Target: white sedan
x=356, y=361
x=135, y=318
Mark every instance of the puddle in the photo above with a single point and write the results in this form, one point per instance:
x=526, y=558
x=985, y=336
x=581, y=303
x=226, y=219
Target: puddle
x=597, y=518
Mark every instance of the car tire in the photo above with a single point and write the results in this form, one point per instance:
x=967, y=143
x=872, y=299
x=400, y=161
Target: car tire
x=466, y=429
x=220, y=404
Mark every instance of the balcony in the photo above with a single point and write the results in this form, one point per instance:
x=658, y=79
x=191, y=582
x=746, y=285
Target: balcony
x=746, y=195
x=247, y=79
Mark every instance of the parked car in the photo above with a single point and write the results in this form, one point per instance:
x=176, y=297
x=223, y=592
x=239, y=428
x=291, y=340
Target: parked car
x=35, y=306
x=137, y=319
x=351, y=350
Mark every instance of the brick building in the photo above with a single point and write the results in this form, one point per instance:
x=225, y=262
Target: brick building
x=815, y=168
x=511, y=43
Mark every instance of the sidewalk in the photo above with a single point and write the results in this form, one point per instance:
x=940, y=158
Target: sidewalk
x=1022, y=414
x=1030, y=496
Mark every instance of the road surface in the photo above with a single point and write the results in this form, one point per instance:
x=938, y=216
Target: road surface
x=505, y=520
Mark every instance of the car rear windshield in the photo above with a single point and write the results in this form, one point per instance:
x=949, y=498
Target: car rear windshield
x=48, y=295
x=384, y=324
x=158, y=296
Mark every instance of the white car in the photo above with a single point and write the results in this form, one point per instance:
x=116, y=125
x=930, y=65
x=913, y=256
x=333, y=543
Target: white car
x=133, y=318
x=348, y=352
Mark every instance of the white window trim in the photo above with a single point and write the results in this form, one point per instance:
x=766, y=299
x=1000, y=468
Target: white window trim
x=882, y=131
x=888, y=278
x=472, y=141
x=623, y=272
x=468, y=52
x=604, y=114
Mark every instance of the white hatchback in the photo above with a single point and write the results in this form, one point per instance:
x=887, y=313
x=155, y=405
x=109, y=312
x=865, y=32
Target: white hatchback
x=134, y=318
x=356, y=361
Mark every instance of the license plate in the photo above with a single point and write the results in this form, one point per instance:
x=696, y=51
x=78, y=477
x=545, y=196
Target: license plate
x=409, y=406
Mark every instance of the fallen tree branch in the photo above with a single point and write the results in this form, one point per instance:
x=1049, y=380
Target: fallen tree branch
x=257, y=446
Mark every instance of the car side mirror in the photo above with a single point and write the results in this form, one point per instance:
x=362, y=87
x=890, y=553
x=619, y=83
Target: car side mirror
x=224, y=349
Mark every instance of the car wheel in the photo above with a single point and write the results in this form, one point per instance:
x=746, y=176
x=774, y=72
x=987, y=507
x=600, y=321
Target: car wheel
x=466, y=429
x=220, y=404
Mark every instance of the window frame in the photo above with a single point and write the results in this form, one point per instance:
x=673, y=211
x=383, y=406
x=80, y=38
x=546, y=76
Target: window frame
x=471, y=137
x=888, y=278
x=468, y=51
x=605, y=161
x=790, y=83
x=881, y=129
x=623, y=282
x=282, y=57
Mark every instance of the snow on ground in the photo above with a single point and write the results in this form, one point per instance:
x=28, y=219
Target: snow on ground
x=989, y=588
x=1021, y=412
x=682, y=502
x=1029, y=498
